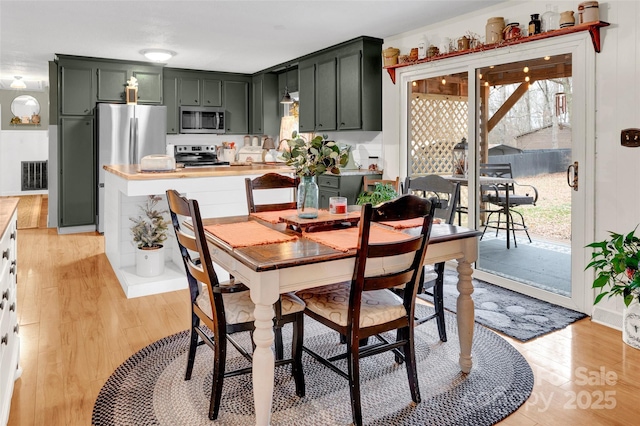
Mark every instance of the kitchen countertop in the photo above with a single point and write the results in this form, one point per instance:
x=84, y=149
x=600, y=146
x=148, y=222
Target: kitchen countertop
x=7, y=207
x=131, y=171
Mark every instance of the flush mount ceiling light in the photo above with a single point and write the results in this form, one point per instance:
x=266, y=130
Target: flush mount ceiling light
x=18, y=83
x=158, y=55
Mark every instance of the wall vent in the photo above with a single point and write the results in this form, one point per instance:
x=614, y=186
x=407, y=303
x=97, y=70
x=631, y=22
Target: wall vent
x=34, y=175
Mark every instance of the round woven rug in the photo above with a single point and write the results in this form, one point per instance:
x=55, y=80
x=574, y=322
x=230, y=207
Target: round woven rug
x=149, y=388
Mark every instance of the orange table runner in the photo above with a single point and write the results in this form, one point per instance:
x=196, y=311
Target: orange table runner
x=409, y=223
x=347, y=239
x=274, y=216
x=248, y=234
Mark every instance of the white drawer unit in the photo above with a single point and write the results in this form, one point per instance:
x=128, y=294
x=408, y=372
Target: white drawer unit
x=9, y=329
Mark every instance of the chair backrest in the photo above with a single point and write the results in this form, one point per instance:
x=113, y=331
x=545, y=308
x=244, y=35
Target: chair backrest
x=270, y=181
x=445, y=192
x=199, y=269
x=401, y=208
x=501, y=170
x=368, y=182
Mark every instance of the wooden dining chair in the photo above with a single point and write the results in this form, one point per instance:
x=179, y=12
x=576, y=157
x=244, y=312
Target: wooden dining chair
x=366, y=306
x=265, y=182
x=445, y=194
x=220, y=309
x=270, y=181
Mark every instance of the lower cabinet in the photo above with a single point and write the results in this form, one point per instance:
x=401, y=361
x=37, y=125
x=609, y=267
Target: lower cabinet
x=348, y=185
x=76, y=202
x=9, y=329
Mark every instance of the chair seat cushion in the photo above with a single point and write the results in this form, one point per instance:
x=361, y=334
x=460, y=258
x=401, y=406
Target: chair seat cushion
x=332, y=302
x=514, y=200
x=238, y=307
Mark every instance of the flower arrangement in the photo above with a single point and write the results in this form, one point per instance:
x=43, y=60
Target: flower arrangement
x=616, y=264
x=149, y=230
x=316, y=156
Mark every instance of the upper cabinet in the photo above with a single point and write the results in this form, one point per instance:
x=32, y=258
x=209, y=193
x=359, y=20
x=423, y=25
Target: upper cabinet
x=236, y=95
x=341, y=87
x=112, y=79
x=212, y=92
x=76, y=88
x=265, y=104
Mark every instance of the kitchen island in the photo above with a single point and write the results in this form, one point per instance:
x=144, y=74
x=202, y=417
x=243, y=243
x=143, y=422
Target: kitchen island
x=219, y=190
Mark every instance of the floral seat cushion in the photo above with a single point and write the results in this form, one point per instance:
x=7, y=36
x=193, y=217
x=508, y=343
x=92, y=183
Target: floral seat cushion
x=332, y=302
x=238, y=307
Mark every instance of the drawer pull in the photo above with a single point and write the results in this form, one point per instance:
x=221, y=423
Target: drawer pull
x=5, y=339
x=12, y=308
x=5, y=254
x=1, y=305
x=16, y=328
x=5, y=294
x=13, y=235
x=12, y=269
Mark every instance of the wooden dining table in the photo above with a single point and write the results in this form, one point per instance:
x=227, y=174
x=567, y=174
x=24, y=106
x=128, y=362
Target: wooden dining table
x=269, y=270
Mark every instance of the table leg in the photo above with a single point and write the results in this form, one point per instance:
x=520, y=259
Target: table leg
x=264, y=295
x=465, y=314
x=507, y=217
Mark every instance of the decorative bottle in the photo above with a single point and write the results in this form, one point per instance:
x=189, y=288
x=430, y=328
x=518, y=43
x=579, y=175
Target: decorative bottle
x=308, y=198
x=550, y=19
x=534, y=24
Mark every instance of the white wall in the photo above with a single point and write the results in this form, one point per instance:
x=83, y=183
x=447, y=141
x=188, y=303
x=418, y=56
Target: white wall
x=617, y=96
x=17, y=146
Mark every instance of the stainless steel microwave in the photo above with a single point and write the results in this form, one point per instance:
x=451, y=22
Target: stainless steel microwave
x=201, y=119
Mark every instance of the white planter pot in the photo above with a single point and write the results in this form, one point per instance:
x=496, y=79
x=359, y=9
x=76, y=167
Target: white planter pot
x=631, y=324
x=150, y=262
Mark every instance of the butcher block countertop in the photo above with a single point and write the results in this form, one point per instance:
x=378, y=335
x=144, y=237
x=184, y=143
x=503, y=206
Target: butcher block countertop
x=7, y=207
x=131, y=171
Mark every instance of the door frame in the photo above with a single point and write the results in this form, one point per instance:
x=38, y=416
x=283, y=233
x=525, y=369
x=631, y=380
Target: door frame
x=579, y=45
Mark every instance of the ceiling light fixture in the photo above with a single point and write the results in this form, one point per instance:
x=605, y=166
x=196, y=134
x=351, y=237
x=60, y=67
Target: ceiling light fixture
x=18, y=83
x=158, y=55
x=286, y=99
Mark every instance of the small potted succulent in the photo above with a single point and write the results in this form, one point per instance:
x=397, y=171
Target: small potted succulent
x=615, y=261
x=149, y=231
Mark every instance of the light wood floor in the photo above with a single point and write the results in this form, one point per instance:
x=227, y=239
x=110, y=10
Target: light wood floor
x=76, y=327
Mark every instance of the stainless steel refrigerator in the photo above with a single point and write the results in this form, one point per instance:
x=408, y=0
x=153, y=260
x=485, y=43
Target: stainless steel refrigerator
x=126, y=133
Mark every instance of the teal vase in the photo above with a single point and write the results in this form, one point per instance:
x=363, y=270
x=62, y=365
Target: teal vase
x=308, y=198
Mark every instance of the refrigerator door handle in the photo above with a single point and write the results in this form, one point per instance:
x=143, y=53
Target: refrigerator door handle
x=135, y=138
x=132, y=141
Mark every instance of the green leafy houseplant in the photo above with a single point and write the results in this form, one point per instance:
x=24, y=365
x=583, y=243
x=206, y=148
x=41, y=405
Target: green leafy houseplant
x=615, y=262
x=149, y=230
x=381, y=192
x=316, y=156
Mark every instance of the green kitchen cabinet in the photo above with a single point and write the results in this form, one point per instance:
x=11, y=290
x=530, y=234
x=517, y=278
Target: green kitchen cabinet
x=307, y=93
x=265, y=104
x=345, y=185
x=349, y=91
x=112, y=78
x=150, y=89
x=76, y=94
x=190, y=91
x=236, y=103
x=326, y=94
x=211, y=92
x=76, y=202
x=170, y=92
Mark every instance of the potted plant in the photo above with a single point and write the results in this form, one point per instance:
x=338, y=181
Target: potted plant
x=149, y=231
x=310, y=158
x=615, y=261
x=381, y=192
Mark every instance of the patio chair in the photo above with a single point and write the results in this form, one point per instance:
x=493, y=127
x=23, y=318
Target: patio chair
x=220, y=309
x=445, y=194
x=505, y=197
x=366, y=306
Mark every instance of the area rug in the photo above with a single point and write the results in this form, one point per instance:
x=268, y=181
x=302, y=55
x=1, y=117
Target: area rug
x=149, y=388
x=29, y=211
x=514, y=314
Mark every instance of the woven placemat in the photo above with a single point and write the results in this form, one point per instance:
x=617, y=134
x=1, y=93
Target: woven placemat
x=149, y=388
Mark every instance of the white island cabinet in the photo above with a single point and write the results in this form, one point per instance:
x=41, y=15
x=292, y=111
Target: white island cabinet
x=9, y=329
x=220, y=192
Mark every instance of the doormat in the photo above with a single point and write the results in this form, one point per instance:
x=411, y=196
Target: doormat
x=516, y=315
x=29, y=211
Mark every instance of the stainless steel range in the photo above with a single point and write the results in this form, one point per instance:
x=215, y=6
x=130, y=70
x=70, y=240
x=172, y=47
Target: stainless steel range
x=197, y=156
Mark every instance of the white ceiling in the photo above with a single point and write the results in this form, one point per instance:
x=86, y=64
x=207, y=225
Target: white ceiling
x=235, y=36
